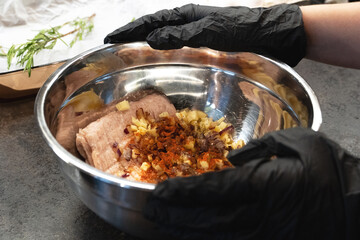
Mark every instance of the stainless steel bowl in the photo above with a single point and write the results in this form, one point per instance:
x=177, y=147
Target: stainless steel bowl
x=256, y=94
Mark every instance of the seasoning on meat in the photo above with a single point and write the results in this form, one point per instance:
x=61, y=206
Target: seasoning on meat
x=148, y=140
x=186, y=144
x=95, y=141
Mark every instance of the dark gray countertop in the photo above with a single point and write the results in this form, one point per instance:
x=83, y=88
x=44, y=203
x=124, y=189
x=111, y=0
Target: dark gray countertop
x=36, y=203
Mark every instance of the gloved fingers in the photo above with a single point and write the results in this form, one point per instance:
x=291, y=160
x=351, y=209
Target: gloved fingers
x=262, y=201
x=222, y=185
x=220, y=221
x=297, y=142
x=219, y=218
x=241, y=185
x=195, y=234
x=190, y=230
x=194, y=12
x=254, y=149
x=205, y=32
x=140, y=28
x=235, y=225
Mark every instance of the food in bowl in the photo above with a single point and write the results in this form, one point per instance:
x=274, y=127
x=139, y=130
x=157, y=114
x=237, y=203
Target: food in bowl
x=176, y=73
x=148, y=140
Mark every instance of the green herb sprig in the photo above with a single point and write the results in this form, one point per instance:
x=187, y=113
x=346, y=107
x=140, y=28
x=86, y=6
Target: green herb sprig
x=46, y=39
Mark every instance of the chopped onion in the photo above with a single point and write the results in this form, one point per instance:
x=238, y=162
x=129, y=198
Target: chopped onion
x=118, y=152
x=227, y=129
x=125, y=175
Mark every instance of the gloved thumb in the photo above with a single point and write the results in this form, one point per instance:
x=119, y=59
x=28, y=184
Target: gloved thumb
x=296, y=142
x=175, y=37
x=139, y=29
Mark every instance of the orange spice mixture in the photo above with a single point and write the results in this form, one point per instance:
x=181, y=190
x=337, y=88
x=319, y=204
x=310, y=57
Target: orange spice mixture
x=187, y=144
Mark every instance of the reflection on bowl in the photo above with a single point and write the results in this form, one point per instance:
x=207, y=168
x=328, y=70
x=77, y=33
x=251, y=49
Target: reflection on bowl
x=254, y=93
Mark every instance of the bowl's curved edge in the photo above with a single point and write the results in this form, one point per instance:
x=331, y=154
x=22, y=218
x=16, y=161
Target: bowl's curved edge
x=58, y=149
x=317, y=115
x=70, y=159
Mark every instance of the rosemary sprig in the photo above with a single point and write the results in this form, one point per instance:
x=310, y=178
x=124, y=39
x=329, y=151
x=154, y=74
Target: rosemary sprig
x=46, y=39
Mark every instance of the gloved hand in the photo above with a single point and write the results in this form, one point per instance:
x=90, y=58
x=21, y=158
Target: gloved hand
x=277, y=31
x=290, y=184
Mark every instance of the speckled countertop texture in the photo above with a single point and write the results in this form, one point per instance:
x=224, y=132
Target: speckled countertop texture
x=36, y=203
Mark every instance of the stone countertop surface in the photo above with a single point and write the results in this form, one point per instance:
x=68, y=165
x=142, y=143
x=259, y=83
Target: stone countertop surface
x=36, y=203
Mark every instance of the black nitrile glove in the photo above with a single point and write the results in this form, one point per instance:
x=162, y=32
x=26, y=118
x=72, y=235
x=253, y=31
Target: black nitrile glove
x=277, y=31
x=290, y=184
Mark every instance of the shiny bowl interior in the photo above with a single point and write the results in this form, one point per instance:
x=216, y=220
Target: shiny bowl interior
x=254, y=93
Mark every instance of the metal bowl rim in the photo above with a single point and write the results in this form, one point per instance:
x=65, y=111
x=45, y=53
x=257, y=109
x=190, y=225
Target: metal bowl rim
x=68, y=158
